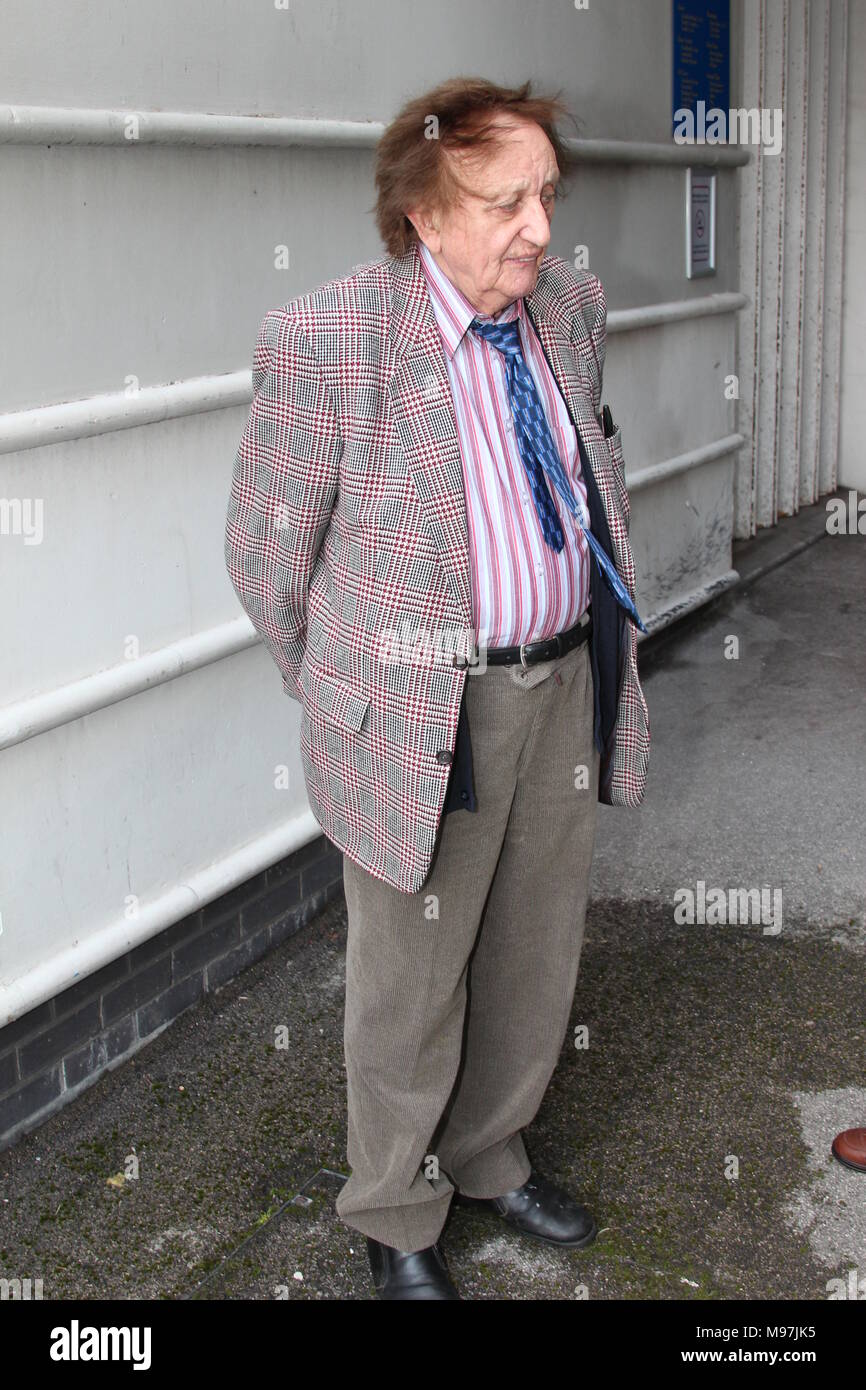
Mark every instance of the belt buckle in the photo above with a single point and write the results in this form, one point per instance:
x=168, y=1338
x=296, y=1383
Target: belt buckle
x=523, y=647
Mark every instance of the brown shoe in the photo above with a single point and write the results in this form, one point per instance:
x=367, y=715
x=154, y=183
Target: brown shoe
x=850, y=1148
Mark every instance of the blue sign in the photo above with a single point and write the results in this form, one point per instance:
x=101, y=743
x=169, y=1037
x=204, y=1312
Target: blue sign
x=702, y=57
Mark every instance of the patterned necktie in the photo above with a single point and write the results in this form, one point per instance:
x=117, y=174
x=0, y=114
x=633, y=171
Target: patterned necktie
x=539, y=455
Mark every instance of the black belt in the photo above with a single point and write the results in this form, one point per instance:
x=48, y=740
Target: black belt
x=546, y=649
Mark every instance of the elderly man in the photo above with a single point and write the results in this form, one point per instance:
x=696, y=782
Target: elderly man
x=428, y=525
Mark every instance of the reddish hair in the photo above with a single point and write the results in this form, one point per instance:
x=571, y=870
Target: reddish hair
x=411, y=165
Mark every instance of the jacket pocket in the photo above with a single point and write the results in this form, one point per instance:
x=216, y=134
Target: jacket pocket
x=617, y=463
x=332, y=699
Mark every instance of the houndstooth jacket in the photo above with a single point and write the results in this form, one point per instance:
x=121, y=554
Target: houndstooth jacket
x=346, y=533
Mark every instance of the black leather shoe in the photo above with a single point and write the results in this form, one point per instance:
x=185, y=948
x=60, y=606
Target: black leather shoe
x=542, y=1210
x=409, y=1273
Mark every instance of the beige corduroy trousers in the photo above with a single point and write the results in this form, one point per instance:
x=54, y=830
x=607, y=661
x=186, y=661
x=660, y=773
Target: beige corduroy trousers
x=458, y=996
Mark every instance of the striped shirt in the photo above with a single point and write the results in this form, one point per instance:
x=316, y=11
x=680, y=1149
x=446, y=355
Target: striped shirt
x=522, y=590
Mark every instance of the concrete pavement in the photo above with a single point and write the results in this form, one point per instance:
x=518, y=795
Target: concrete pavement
x=722, y=1058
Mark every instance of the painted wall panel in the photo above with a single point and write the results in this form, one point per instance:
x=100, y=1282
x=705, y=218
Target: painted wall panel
x=158, y=262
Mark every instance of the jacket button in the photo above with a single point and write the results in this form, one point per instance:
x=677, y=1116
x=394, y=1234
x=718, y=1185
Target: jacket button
x=461, y=662
x=444, y=756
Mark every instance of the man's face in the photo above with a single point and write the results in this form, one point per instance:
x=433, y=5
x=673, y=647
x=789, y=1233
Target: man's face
x=490, y=245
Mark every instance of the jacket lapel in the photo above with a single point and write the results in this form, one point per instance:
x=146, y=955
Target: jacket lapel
x=572, y=360
x=424, y=417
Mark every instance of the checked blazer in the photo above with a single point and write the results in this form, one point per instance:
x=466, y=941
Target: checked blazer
x=346, y=521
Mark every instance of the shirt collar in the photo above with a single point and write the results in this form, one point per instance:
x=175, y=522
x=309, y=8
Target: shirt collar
x=452, y=309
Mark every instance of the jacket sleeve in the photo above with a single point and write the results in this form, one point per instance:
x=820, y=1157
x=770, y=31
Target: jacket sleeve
x=283, y=487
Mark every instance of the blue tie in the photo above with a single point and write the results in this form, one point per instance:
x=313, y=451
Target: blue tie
x=539, y=454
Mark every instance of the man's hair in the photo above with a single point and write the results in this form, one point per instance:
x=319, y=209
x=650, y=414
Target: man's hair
x=412, y=164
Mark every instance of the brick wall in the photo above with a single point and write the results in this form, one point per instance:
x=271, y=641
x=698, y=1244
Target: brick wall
x=50, y=1055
